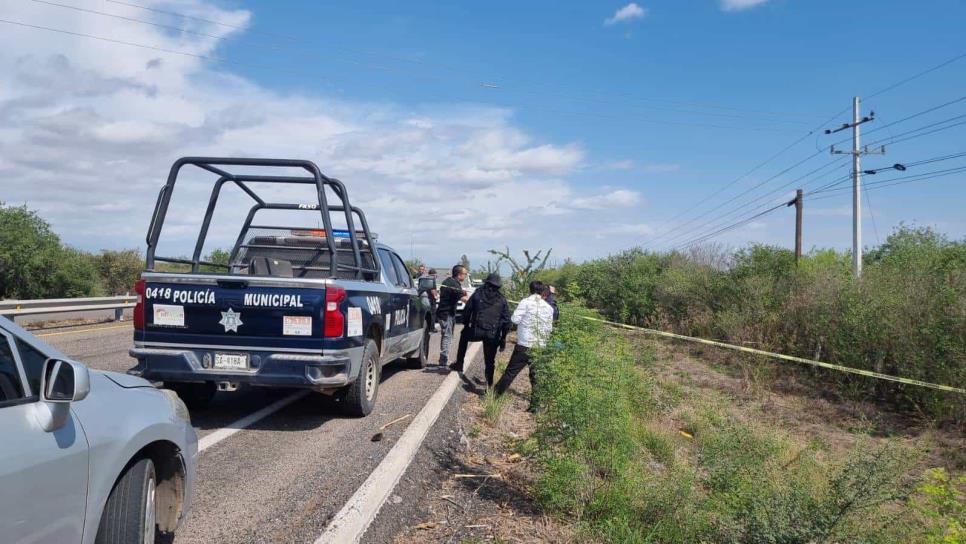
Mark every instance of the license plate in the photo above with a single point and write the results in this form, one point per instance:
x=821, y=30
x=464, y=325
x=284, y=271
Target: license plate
x=231, y=361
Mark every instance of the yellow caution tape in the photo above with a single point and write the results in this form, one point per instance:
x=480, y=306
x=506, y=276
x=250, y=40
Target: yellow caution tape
x=830, y=366
x=850, y=370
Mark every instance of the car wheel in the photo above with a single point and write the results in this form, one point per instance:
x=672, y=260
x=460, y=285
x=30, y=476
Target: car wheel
x=194, y=395
x=360, y=397
x=420, y=358
x=129, y=516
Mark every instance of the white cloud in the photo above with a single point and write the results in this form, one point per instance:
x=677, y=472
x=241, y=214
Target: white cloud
x=89, y=129
x=740, y=5
x=620, y=198
x=628, y=13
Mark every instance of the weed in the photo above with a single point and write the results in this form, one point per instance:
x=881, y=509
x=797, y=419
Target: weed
x=614, y=459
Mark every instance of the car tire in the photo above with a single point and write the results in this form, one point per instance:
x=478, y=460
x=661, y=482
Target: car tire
x=360, y=397
x=130, y=512
x=420, y=358
x=195, y=396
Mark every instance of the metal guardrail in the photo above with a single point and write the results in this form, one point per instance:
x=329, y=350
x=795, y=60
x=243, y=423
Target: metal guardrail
x=14, y=308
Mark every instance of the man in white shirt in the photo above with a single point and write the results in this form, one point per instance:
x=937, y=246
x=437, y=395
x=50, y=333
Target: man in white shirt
x=534, y=320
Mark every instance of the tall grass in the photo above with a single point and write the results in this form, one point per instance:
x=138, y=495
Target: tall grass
x=905, y=316
x=633, y=459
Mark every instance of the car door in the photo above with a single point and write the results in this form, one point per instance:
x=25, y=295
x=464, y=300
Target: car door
x=43, y=475
x=392, y=281
x=411, y=328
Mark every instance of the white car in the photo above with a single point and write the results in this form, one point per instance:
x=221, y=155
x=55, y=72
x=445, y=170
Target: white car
x=88, y=456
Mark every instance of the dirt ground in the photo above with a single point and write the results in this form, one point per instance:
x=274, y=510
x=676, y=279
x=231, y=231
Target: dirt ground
x=484, y=497
x=797, y=407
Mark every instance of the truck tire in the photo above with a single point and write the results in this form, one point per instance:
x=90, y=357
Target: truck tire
x=129, y=514
x=195, y=396
x=360, y=397
x=420, y=358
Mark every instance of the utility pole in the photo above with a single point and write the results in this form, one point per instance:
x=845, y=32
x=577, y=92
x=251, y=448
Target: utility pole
x=798, y=203
x=856, y=153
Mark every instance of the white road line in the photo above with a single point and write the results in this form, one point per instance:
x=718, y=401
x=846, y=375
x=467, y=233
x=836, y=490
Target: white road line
x=350, y=524
x=232, y=428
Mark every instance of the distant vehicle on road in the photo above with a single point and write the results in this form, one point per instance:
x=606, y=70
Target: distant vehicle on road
x=307, y=298
x=88, y=456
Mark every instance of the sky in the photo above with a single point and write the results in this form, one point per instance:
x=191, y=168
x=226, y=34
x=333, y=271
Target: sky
x=458, y=127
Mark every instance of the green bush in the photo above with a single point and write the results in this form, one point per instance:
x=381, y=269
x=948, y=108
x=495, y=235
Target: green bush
x=118, y=270
x=34, y=263
x=610, y=462
x=905, y=316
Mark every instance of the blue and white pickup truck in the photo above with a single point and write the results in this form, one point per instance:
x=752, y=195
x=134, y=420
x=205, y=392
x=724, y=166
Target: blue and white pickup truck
x=297, y=306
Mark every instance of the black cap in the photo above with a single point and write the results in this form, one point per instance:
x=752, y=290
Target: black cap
x=494, y=280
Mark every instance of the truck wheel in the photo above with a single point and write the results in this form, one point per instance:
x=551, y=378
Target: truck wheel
x=360, y=397
x=420, y=357
x=129, y=514
x=195, y=396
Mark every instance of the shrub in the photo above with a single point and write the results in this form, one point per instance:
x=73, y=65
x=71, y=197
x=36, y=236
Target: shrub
x=609, y=460
x=905, y=316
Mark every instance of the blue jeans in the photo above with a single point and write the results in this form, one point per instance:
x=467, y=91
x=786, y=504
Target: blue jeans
x=446, y=337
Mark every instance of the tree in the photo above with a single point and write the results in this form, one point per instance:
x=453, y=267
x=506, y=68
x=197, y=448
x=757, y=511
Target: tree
x=34, y=263
x=413, y=265
x=465, y=261
x=521, y=273
x=118, y=270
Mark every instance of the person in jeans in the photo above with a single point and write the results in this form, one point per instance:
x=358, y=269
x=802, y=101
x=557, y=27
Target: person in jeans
x=486, y=318
x=450, y=294
x=534, y=320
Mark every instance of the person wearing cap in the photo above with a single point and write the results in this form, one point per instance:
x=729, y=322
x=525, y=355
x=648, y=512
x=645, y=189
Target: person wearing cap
x=486, y=318
x=534, y=320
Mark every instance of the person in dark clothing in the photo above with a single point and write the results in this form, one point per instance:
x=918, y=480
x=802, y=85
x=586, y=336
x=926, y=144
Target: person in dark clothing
x=552, y=301
x=486, y=318
x=450, y=294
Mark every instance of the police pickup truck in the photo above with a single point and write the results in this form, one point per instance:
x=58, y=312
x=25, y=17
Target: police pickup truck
x=311, y=301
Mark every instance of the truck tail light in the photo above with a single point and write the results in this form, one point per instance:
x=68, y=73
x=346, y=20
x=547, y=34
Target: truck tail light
x=139, y=305
x=333, y=321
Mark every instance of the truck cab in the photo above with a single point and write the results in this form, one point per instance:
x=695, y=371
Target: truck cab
x=296, y=307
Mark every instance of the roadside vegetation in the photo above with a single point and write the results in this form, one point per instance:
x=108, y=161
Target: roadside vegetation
x=629, y=455
x=35, y=263
x=906, y=316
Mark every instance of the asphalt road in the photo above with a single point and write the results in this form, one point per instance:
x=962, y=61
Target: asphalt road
x=285, y=476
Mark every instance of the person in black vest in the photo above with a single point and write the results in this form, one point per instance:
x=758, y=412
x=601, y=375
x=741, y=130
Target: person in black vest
x=486, y=318
x=451, y=293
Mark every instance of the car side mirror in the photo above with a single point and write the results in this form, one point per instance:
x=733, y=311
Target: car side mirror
x=64, y=381
x=61, y=383
x=427, y=283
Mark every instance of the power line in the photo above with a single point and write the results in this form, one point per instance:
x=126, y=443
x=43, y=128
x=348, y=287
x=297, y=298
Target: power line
x=877, y=93
x=901, y=181
x=717, y=222
x=733, y=226
x=832, y=186
x=835, y=182
x=917, y=76
x=687, y=232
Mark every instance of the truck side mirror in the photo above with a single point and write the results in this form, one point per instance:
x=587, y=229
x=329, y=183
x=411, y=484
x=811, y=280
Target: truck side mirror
x=427, y=283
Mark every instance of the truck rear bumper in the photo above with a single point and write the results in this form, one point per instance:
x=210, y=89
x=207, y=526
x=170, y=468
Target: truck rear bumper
x=306, y=371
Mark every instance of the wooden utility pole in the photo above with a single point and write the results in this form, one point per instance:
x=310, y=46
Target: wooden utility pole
x=798, y=225
x=797, y=202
